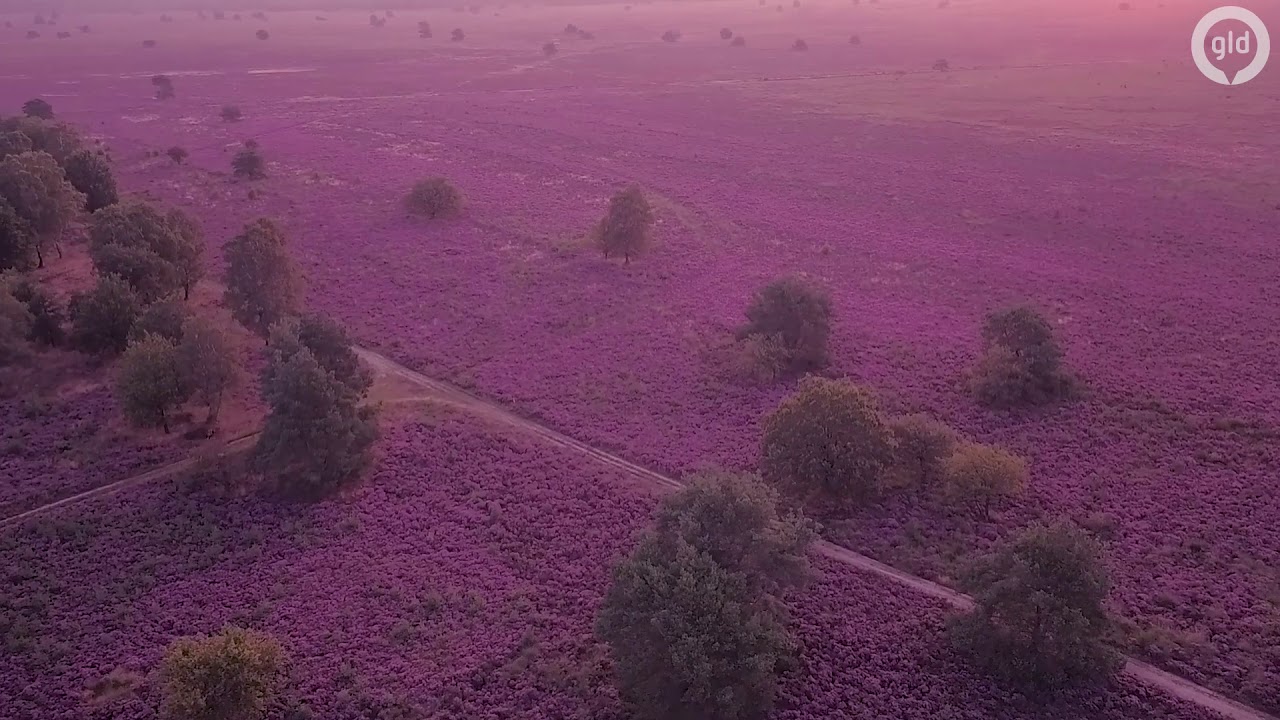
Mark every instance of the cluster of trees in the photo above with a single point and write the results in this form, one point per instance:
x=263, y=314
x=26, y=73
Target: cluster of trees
x=693, y=616
x=830, y=443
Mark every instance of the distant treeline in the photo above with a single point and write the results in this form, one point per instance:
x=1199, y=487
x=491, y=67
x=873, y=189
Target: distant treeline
x=11, y=7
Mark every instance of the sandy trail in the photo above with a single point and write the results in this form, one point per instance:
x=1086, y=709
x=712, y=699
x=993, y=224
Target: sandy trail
x=437, y=390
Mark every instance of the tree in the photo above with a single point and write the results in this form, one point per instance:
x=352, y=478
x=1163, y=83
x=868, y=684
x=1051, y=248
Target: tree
x=233, y=675
x=165, y=318
x=46, y=313
x=797, y=316
x=424, y=29
x=208, y=363
x=35, y=186
x=155, y=253
x=102, y=318
x=15, y=326
x=249, y=163
x=262, y=34
x=800, y=45
x=979, y=474
x=188, y=254
x=738, y=41
x=1038, y=618
x=17, y=242
x=625, y=228
x=55, y=138
x=922, y=446
x=317, y=438
x=263, y=286
x=941, y=65
x=434, y=197
x=549, y=48
x=735, y=520
x=151, y=382
x=231, y=113
x=689, y=640
x=13, y=142
x=162, y=83
x=671, y=36
x=177, y=154
x=827, y=440
x=1021, y=362
x=725, y=33
x=37, y=108
x=457, y=35
x=328, y=343
x=89, y=173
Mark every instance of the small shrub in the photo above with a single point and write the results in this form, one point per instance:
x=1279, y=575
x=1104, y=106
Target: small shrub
x=457, y=35
x=434, y=198
x=725, y=33
x=627, y=224
x=234, y=674
x=827, y=441
x=248, y=164
x=670, y=36
x=978, y=475
x=37, y=108
x=177, y=154
x=799, y=45
x=231, y=113
x=797, y=314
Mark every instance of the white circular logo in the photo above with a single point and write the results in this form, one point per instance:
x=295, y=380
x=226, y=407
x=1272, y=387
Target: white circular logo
x=1233, y=58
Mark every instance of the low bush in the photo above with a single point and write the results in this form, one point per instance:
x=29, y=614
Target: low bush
x=434, y=198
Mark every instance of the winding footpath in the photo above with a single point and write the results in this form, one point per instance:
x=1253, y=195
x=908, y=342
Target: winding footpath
x=440, y=391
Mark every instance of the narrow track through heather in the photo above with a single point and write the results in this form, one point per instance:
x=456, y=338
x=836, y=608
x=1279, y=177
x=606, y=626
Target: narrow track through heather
x=451, y=394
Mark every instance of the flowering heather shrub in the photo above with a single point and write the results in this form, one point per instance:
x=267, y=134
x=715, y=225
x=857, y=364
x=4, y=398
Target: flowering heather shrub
x=627, y=224
x=923, y=444
x=231, y=675
x=978, y=475
x=797, y=315
x=828, y=440
x=1039, y=619
x=434, y=198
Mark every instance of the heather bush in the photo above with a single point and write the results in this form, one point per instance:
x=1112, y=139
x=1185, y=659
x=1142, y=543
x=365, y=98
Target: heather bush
x=626, y=226
x=89, y=173
x=151, y=383
x=262, y=284
x=177, y=154
x=978, y=475
x=233, y=675
x=35, y=186
x=923, y=444
x=164, y=87
x=209, y=365
x=248, y=163
x=725, y=33
x=38, y=108
x=102, y=317
x=827, y=441
x=164, y=319
x=1021, y=363
x=1038, y=619
x=434, y=198
x=670, y=36
x=797, y=314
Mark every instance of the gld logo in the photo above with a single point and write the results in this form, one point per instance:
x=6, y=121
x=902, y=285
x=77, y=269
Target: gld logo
x=1230, y=45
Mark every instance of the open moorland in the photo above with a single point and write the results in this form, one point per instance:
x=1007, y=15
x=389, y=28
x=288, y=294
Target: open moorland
x=1069, y=157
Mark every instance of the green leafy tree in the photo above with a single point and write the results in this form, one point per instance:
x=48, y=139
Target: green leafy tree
x=155, y=253
x=979, y=475
x=177, y=154
x=165, y=318
x=57, y=139
x=328, y=342
x=209, y=364
x=263, y=286
x=102, y=318
x=1039, y=619
x=15, y=326
x=34, y=185
x=187, y=255
x=828, y=441
x=89, y=173
x=434, y=198
x=627, y=224
x=13, y=142
x=17, y=241
x=1022, y=361
x=163, y=85
x=796, y=316
x=151, y=382
x=233, y=675
x=47, y=316
x=922, y=446
x=317, y=438
x=38, y=108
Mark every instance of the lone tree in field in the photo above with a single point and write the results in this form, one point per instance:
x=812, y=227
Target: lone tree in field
x=725, y=33
x=691, y=619
x=102, y=318
x=549, y=49
x=458, y=35
x=231, y=113
x=209, y=364
x=1038, y=619
x=17, y=241
x=317, y=437
x=36, y=187
x=424, y=29
x=794, y=316
x=626, y=226
x=152, y=383
x=979, y=475
x=89, y=173
x=15, y=326
x=263, y=286
x=941, y=65
x=800, y=45
x=37, y=108
x=164, y=87
x=1022, y=361
x=434, y=198
x=923, y=445
x=177, y=154
x=156, y=254
x=233, y=675
x=249, y=164
x=827, y=441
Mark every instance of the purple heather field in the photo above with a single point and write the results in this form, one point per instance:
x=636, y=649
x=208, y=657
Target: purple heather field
x=920, y=200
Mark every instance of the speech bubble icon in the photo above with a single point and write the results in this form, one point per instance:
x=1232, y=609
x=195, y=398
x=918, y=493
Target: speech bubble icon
x=1230, y=45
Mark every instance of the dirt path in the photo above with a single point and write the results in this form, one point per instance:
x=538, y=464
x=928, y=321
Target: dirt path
x=445, y=392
